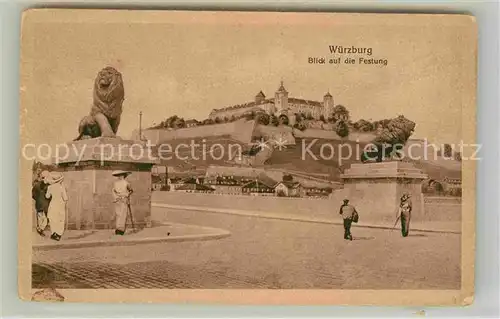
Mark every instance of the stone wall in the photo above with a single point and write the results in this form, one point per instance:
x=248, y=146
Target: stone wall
x=80, y=188
x=240, y=130
x=309, y=207
x=331, y=135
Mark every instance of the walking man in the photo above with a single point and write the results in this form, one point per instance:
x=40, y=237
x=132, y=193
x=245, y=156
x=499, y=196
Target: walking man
x=348, y=213
x=38, y=193
x=405, y=207
x=121, y=194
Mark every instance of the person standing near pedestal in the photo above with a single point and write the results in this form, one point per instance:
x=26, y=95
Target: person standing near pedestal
x=41, y=202
x=405, y=208
x=121, y=194
x=57, y=207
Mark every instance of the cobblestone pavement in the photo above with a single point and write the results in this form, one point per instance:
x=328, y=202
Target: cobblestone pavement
x=261, y=253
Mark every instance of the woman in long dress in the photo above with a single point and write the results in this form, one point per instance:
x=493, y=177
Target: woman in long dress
x=57, y=207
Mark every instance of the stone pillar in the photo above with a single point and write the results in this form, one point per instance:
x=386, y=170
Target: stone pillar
x=87, y=172
x=376, y=188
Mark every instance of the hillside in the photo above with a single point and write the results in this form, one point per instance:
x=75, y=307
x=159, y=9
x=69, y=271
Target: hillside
x=297, y=158
x=291, y=158
x=220, y=147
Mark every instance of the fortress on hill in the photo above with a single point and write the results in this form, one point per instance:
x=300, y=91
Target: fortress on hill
x=280, y=105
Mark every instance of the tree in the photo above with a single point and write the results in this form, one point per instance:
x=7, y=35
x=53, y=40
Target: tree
x=454, y=192
x=438, y=188
x=382, y=123
x=226, y=119
x=300, y=126
x=287, y=178
x=322, y=118
x=447, y=151
x=340, y=113
x=217, y=120
x=273, y=120
x=262, y=118
x=250, y=115
x=298, y=118
x=363, y=126
x=180, y=123
x=342, y=129
x=233, y=118
x=173, y=122
x=283, y=119
x=309, y=117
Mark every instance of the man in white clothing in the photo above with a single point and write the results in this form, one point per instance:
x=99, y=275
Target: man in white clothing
x=121, y=195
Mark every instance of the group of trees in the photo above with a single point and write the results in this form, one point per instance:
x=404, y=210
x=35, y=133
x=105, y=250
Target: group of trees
x=172, y=122
x=340, y=113
x=339, y=120
x=433, y=187
x=449, y=153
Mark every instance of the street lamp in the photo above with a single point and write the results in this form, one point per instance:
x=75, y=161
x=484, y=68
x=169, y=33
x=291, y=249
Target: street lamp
x=140, y=125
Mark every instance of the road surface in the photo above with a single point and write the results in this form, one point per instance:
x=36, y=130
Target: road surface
x=261, y=253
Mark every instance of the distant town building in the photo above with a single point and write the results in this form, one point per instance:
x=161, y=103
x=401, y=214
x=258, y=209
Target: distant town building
x=453, y=182
x=174, y=183
x=225, y=185
x=258, y=188
x=194, y=188
x=157, y=182
x=158, y=169
x=317, y=192
x=281, y=105
x=289, y=189
x=191, y=123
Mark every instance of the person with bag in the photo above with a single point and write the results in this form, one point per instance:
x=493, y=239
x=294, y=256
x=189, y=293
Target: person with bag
x=121, y=195
x=57, y=207
x=38, y=193
x=349, y=215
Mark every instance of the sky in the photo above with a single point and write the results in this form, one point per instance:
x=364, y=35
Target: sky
x=188, y=67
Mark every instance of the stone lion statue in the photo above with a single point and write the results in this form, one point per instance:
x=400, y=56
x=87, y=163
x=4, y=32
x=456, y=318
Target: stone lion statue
x=104, y=117
x=390, y=140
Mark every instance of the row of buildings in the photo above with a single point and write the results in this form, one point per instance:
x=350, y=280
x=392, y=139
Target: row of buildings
x=229, y=184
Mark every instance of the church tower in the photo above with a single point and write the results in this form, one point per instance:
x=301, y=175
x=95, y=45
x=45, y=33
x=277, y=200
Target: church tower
x=281, y=98
x=328, y=105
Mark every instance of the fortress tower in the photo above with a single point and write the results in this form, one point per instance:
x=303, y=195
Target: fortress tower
x=281, y=99
x=328, y=105
x=260, y=97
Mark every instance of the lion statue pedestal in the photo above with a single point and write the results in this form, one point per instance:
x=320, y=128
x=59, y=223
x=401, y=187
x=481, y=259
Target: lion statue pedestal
x=376, y=188
x=87, y=172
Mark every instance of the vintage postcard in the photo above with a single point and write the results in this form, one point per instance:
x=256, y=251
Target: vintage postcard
x=247, y=157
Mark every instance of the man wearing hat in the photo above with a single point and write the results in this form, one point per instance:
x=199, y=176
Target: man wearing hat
x=121, y=194
x=348, y=213
x=41, y=202
x=57, y=207
x=405, y=207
